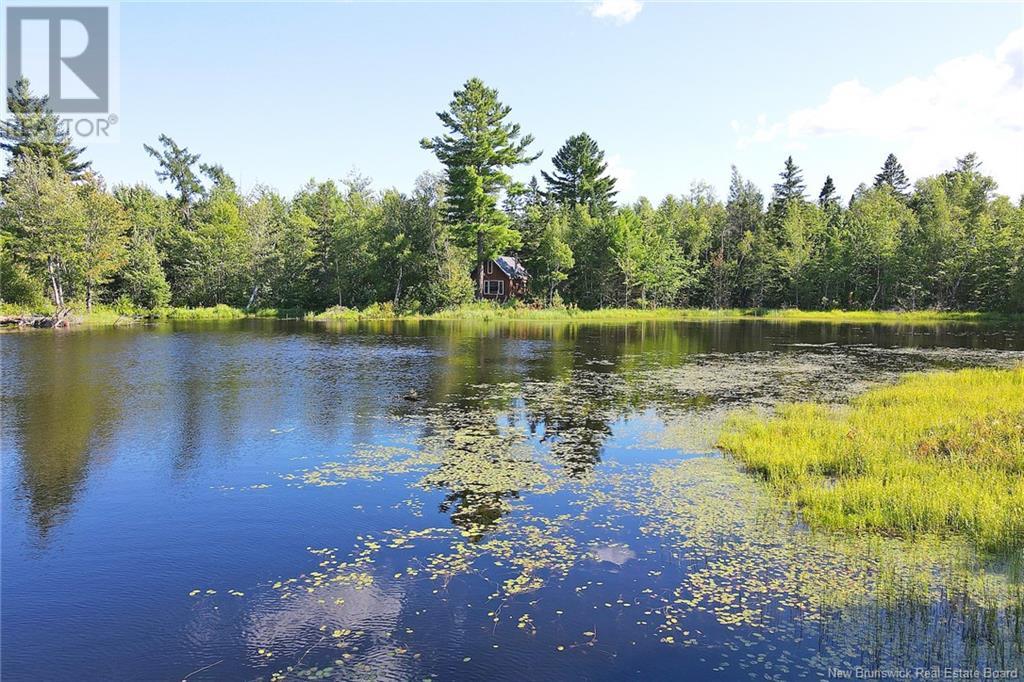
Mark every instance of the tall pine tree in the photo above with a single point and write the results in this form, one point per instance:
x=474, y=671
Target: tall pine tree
x=477, y=151
x=828, y=195
x=176, y=166
x=791, y=185
x=892, y=176
x=32, y=129
x=580, y=175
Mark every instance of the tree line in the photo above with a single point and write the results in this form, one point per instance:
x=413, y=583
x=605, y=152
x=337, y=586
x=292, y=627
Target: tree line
x=948, y=241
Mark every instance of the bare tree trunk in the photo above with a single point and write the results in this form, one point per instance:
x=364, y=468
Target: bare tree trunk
x=252, y=297
x=337, y=276
x=58, y=294
x=398, y=286
x=88, y=296
x=878, y=286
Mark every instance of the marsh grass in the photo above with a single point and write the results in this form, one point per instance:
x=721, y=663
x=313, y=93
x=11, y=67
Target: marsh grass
x=935, y=453
x=217, y=312
x=486, y=311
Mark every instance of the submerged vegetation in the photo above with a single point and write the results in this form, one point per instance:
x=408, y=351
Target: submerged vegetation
x=936, y=453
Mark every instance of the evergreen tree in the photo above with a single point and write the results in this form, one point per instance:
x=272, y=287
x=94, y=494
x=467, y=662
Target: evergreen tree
x=580, y=175
x=892, y=176
x=478, y=149
x=744, y=207
x=322, y=203
x=968, y=163
x=218, y=176
x=34, y=130
x=828, y=195
x=792, y=185
x=176, y=166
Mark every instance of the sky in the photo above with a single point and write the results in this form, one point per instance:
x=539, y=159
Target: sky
x=673, y=92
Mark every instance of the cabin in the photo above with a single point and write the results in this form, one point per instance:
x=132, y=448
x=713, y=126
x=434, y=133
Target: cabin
x=504, y=278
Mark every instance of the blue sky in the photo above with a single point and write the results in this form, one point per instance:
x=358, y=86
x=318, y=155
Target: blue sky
x=674, y=92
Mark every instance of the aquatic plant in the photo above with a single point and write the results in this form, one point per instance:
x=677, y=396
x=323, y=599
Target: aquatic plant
x=937, y=452
x=718, y=562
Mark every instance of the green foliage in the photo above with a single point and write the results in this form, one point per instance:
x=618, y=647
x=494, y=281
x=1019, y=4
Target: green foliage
x=950, y=244
x=17, y=285
x=580, y=175
x=217, y=312
x=791, y=183
x=878, y=226
x=650, y=262
x=45, y=219
x=828, y=196
x=477, y=152
x=936, y=453
x=142, y=279
x=554, y=257
x=175, y=165
x=33, y=130
x=893, y=176
x=103, y=244
x=216, y=269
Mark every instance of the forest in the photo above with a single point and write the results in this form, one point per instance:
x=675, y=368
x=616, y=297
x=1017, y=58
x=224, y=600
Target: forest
x=944, y=242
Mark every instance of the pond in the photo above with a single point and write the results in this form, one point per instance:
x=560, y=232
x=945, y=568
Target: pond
x=265, y=499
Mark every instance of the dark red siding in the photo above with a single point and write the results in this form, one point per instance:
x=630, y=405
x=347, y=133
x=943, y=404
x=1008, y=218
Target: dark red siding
x=508, y=287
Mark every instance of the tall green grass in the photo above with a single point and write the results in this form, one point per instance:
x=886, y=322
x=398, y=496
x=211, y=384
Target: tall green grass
x=884, y=316
x=216, y=312
x=936, y=453
x=484, y=311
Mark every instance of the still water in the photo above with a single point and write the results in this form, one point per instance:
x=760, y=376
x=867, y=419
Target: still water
x=267, y=499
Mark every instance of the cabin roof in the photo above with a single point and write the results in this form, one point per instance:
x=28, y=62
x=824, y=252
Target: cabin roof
x=512, y=267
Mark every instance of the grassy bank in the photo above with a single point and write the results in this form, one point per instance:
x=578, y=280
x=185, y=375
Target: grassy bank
x=482, y=311
x=936, y=453
x=103, y=315
x=107, y=315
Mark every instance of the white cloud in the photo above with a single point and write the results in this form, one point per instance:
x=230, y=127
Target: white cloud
x=622, y=11
x=971, y=103
x=761, y=131
x=624, y=175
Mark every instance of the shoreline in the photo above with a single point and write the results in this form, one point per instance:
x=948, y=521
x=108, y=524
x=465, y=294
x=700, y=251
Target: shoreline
x=106, y=316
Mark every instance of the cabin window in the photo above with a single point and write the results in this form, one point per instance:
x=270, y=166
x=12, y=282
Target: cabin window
x=494, y=287
x=490, y=267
